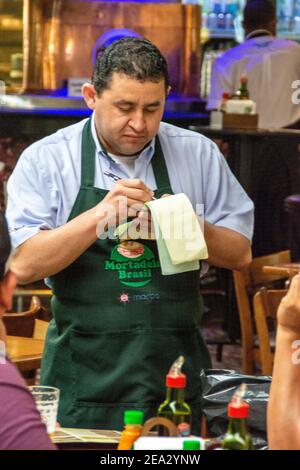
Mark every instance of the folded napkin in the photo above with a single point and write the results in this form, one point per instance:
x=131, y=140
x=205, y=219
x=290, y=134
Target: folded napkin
x=179, y=238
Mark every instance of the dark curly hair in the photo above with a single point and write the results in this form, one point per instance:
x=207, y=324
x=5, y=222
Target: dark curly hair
x=137, y=58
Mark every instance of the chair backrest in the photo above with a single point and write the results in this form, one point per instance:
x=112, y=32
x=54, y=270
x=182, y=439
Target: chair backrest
x=246, y=283
x=22, y=324
x=40, y=329
x=265, y=304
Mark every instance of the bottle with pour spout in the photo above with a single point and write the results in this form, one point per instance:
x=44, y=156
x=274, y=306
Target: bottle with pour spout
x=174, y=407
x=237, y=436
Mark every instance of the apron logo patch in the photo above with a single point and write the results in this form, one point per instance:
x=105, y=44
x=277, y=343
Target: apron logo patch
x=124, y=298
x=133, y=262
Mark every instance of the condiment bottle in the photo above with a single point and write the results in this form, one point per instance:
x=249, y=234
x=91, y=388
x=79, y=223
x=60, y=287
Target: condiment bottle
x=174, y=407
x=191, y=445
x=237, y=436
x=243, y=90
x=133, y=427
x=225, y=97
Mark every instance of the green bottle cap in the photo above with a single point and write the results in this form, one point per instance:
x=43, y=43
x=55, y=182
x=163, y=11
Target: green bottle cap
x=191, y=445
x=134, y=417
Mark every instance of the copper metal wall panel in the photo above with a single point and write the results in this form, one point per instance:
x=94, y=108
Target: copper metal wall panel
x=59, y=36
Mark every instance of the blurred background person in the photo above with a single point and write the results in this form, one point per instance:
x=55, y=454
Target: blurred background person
x=271, y=65
x=21, y=427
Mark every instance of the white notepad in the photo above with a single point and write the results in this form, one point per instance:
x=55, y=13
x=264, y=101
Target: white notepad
x=179, y=238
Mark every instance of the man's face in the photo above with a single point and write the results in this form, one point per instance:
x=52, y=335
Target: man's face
x=128, y=113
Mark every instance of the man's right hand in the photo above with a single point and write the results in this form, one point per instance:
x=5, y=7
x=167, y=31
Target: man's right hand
x=124, y=200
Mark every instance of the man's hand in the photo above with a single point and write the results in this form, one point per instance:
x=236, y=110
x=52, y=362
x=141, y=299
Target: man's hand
x=126, y=199
x=142, y=225
x=288, y=315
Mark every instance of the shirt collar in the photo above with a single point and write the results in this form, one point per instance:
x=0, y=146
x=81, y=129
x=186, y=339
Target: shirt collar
x=99, y=147
x=147, y=153
x=259, y=33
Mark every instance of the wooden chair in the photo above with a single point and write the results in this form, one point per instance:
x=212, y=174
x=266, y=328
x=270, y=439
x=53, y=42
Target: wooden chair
x=265, y=304
x=26, y=324
x=246, y=284
x=22, y=324
x=213, y=291
x=40, y=329
x=22, y=296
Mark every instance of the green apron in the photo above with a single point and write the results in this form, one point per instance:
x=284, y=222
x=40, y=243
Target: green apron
x=118, y=324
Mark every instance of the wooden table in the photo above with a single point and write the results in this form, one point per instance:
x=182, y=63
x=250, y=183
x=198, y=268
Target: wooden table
x=287, y=269
x=25, y=353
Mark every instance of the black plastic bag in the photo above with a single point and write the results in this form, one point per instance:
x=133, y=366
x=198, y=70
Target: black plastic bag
x=218, y=387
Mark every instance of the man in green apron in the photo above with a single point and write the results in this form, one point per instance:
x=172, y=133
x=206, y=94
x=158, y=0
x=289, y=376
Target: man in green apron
x=118, y=323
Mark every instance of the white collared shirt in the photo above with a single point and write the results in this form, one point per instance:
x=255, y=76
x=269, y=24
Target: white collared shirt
x=46, y=180
x=272, y=65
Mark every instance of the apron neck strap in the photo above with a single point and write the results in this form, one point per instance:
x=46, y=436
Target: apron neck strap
x=159, y=166
x=88, y=151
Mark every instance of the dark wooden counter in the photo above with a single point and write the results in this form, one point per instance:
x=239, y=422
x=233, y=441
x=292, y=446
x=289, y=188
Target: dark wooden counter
x=266, y=162
x=37, y=116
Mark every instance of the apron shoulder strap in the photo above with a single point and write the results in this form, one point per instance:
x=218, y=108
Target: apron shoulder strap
x=88, y=150
x=159, y=166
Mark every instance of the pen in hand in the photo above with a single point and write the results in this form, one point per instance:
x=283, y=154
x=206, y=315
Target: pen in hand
x=117, y=178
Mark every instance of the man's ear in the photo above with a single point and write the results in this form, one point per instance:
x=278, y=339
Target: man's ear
x=89, y=94
x=168, y=90
x=7, y=286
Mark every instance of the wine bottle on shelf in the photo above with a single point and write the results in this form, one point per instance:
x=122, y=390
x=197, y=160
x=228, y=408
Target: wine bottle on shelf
x=243, y=91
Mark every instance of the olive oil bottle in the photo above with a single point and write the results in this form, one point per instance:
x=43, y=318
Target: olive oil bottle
x=237, y=436
x=174, y=407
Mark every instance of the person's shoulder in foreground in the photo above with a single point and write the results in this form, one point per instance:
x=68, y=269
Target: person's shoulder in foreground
x=284, y=402
x=21, y=427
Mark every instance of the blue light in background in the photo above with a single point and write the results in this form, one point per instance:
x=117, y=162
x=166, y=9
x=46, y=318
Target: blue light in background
x=132, y=1
x=109, y=37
